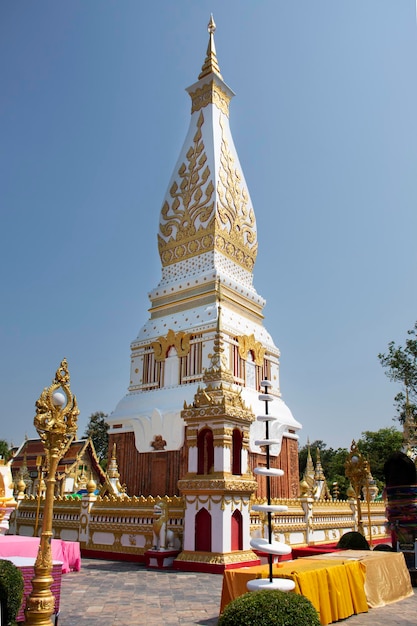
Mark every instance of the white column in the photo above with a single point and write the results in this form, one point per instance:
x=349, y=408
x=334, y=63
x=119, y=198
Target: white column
x=221, y=459
x=192, y=459
x=221, y=534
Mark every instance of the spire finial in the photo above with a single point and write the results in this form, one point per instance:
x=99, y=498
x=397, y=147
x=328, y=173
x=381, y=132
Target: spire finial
x=211, y=65
x=211, y=25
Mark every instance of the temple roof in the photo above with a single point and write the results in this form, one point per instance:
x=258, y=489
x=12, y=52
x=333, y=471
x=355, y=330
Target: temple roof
x=33, y=449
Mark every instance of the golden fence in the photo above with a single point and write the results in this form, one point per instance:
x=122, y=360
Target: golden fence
x=121, y=526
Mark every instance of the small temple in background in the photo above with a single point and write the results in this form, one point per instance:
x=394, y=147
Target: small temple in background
x=77, y=467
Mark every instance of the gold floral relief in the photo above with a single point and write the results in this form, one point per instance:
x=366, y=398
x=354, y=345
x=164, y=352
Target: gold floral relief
x=191, y=224
x=248, y=343
x=210, y=93
x=180, y=341
x=235, y=219
x=187, y=224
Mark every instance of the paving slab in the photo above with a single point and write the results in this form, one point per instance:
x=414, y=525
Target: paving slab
x=117, y=593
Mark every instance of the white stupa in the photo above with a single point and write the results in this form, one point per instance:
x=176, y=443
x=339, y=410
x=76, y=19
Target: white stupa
x=207, y=243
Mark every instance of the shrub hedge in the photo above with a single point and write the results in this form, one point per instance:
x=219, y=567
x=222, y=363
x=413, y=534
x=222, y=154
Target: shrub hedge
x=270, y=608
x=353, y=541
x=11, y=591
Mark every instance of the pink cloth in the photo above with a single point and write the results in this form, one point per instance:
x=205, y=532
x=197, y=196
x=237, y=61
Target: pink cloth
x=26, y=566
x=68, y=552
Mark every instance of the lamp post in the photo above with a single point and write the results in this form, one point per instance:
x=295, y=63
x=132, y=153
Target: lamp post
x=357, y=470
x=56, y=423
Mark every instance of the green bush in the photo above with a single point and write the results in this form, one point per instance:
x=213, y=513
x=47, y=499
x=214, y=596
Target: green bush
x=11, y=591
x=353, y=541
x=270, y=608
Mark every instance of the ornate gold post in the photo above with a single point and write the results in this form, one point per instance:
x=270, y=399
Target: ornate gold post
x=368, y=499
x=39, y=463
x=357, y=469
x=56, y=423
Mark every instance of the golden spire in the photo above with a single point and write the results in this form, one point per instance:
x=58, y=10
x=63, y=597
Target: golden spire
x=307, y=482
x=319, y=474
x=207, y=207
x=309, y=470
x=218, y=368
x=113, y=470
x=210, y=65
x=91, y=485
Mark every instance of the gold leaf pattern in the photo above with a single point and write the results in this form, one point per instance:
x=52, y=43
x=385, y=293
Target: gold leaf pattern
x=248, y=343
x=192, y=203
x=180, y=341
x=235, y=220
x=210, y=93
x=191, y=224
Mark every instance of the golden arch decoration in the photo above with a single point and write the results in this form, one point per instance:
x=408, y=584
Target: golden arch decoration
x=180, y=341
x=248, y=343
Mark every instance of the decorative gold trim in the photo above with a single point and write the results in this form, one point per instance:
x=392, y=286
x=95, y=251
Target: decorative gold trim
x=179, y=237
x=191, y=226
x=222, y=432
x=205, y=484
x=180, y=341
x=235, y=221
x=217, y=558
x=215, y=412
x=248, y=343
x=210, y=93
x=104, y=547
x=214, y=402
x=238, y=501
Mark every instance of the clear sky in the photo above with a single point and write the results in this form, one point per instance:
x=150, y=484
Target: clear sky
x=93, y=114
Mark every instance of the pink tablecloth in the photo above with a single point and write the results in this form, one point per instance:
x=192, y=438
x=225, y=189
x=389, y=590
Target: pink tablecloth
x=68, y=552
x=26, y=566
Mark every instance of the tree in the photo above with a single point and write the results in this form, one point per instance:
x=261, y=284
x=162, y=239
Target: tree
x=376, y=447
x=97, y=430
x=4, y=450
x=400, y=363
x=336, y=472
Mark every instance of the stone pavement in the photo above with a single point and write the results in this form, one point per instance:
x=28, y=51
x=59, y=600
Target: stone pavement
x=114, y=593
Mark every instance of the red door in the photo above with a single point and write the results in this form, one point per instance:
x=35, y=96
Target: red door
x=237, y=534
x=203, y=531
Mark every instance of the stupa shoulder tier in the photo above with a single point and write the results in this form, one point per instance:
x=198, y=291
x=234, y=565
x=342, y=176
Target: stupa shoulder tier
x=202, y=319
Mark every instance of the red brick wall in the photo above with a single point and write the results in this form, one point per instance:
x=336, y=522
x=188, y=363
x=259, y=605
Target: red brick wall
x=157, y=473
x=286, y=486
x=148, y=473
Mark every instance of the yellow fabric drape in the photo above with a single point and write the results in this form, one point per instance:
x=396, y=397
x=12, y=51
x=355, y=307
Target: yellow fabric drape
x=387, y=578
x=335, y=589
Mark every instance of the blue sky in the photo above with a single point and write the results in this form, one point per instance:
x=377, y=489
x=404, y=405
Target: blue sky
x=93, y=114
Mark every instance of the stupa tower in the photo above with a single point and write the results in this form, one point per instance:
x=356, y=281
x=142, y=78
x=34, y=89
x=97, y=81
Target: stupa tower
x=204, y=308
